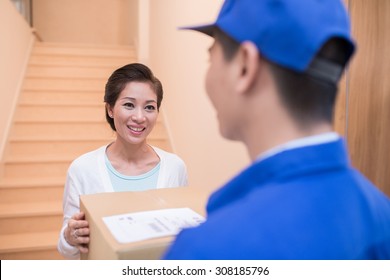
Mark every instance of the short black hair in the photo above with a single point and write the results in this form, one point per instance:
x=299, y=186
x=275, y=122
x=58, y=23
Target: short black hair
x=308, y=99
x=134, y=72
x=229, y=45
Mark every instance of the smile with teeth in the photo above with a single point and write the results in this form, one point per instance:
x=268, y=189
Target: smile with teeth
x=136, y=129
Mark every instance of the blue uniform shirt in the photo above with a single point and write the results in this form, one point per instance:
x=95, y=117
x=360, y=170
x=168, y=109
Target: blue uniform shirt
x=303, y=203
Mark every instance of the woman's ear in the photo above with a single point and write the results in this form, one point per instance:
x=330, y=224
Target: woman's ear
x=109, y=110
x=249, y=66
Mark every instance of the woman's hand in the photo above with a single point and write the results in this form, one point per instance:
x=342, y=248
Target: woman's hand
x=77, y=232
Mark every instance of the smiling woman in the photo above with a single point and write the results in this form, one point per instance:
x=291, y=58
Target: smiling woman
x=135, y=112
x=133, y=98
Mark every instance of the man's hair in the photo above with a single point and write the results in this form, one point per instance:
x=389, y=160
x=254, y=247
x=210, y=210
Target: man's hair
x=307, y=99
x=118, y=80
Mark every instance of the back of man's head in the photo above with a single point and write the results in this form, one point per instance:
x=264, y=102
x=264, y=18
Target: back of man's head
x=310, y=98
x=307, y=44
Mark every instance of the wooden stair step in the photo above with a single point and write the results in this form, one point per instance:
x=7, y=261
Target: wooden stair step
x=30, y=217
x=48, y=208
x=26, y=190
x=44, y=148
x=61, y=131
x=54, y=84
x=36, y=169
x=81, y=45
x=32, y=194
x=80, y=61
x=31, y=140
x=60, y=113
x=69, y=72
x=12, y=243
x=113, y=51
x=23, y=183
x=55, y=158
x=45, y=254
x=61, y=98
x=31, y=223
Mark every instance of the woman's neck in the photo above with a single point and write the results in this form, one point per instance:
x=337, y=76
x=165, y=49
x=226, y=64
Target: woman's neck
x=132, y=159
x=128, y=152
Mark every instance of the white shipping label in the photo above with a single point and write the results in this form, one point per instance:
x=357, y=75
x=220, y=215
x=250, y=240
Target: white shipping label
x=140, y=226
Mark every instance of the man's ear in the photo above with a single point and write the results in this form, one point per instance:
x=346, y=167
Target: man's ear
x=249, y=66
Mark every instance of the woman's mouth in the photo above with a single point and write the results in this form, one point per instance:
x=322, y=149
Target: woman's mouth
x=135, y=129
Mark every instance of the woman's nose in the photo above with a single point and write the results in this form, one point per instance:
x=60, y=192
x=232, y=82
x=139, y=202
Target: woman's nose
x=138, y=116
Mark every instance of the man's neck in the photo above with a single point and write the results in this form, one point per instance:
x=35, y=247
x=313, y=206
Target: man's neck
x=262, y=141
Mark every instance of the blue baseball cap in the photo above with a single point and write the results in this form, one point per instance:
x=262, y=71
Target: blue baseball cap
x=286, y=32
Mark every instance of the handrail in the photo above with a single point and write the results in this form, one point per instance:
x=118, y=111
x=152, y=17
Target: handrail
x=25, y=9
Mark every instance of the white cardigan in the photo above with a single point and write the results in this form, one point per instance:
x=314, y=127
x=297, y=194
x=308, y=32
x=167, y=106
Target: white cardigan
x=88, y=174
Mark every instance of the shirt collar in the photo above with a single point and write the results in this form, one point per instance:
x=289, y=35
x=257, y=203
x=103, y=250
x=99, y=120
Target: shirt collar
x=298, y=143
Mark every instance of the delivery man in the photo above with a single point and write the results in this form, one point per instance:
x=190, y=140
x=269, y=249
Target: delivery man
x=274, y=70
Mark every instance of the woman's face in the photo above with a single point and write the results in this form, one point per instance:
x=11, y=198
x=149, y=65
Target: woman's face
x=135, y=112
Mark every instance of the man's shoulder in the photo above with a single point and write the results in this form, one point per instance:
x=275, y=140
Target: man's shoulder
x=318, y=216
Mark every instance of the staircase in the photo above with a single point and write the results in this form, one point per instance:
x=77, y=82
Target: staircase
x=60, y=116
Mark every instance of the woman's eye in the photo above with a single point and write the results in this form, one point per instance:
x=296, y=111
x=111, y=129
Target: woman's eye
x=128, y=105
x=150, y=108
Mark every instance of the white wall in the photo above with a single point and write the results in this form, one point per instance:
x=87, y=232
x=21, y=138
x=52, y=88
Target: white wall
x=16, y=42
x=180, y=60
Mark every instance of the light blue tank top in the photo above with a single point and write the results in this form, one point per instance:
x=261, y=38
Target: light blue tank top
x=122, y=183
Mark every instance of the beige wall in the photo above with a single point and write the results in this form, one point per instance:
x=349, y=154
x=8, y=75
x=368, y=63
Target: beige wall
x=109, y=22
x=16, y=42
x=180, y=60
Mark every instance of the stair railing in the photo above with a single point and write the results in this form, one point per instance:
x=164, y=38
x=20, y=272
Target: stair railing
x=25, y=9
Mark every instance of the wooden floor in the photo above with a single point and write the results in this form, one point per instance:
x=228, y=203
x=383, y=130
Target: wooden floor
x=60, y=116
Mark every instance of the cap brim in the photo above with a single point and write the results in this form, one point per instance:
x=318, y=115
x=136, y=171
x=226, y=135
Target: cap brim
x=205, y=29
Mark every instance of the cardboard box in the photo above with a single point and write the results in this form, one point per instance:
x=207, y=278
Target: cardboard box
x=104, y=246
